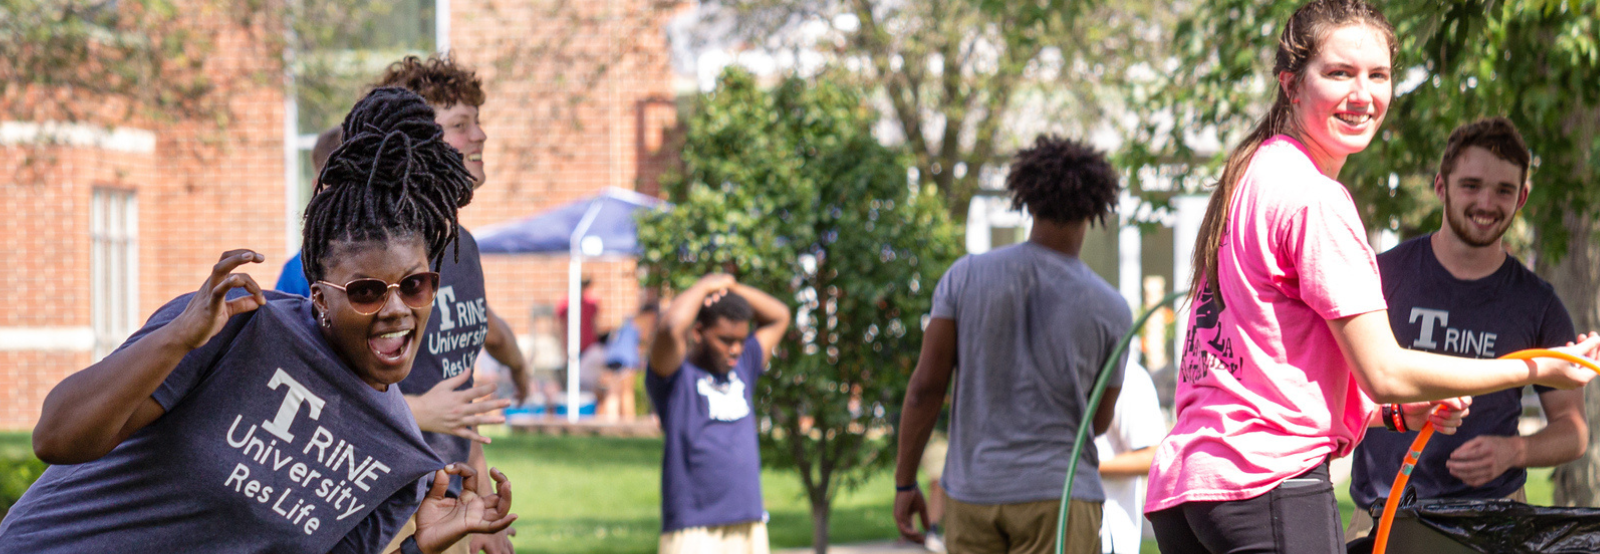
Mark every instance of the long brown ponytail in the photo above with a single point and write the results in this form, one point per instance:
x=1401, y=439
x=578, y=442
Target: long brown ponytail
x=1296, y=46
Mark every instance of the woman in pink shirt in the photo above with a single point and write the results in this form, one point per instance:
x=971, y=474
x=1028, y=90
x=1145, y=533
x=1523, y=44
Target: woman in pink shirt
x=1289, y=344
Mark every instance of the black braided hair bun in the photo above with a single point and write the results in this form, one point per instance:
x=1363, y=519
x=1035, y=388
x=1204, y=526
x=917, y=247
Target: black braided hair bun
x=394, y=176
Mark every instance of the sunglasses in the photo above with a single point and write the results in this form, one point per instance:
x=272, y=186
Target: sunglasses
x=367, y=296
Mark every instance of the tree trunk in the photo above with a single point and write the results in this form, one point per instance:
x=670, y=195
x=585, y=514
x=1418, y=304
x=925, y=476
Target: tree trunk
x=1576, y=280
x=819, y=524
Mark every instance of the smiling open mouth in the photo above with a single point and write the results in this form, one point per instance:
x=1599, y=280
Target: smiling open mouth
x=475, y=157
x=390, y=347
x=1354, y=120
x=1484, y=220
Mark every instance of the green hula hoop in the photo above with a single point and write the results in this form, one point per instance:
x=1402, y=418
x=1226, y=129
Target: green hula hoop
x=1100, y=384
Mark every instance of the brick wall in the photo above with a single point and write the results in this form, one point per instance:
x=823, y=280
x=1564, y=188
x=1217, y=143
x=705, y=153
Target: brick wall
x=579, y=98
x=201, y=187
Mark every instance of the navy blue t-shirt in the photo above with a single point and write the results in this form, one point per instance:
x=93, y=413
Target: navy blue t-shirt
x=269, y=443
x=711, y=464
x=1431, y=310
x=456, y=332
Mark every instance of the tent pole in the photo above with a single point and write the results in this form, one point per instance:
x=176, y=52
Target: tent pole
x=575, y=305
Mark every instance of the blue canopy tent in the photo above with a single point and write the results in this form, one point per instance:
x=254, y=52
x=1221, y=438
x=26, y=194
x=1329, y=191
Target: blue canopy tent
x=597, y=226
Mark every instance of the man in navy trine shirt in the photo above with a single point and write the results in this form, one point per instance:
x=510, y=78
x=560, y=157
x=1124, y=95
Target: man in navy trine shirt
x=440, y=388
x=703, y=366
x=1458, y=292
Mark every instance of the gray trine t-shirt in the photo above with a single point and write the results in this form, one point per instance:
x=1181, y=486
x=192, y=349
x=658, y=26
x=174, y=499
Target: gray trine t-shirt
x=456, y=333
x=270, y=444
x=1033, y=328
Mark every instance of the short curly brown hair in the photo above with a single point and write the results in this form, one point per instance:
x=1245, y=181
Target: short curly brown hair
x=1063, y=181
x=1498, y=135
x=439, y=80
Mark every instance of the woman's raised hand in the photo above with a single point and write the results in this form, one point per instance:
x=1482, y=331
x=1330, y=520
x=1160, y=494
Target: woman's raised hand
x=209, y=309
x=442, y=521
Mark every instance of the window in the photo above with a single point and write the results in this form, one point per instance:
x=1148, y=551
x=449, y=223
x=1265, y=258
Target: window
x=113, y=267
x=334, y=62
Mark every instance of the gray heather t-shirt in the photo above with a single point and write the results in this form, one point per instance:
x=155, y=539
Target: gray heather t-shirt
x=1033, y=328
x=270, y=444
x=456, y=333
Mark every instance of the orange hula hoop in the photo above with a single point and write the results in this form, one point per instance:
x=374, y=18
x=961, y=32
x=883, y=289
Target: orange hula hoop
x=1381, y=543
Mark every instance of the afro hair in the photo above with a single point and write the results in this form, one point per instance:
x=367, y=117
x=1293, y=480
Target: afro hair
x=1063, y=181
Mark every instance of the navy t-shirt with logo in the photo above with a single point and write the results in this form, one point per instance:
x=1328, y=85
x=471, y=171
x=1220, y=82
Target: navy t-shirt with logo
x=711, y=462
x=269, y=443
x=456, y=332
x=1431, y=310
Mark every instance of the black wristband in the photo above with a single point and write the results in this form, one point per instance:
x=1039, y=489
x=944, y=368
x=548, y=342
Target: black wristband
x=1394, y=418
x=409, y=546
x=905, y=488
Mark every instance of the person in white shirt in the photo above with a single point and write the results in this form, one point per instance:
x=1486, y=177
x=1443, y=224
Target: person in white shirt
x=1127, y=449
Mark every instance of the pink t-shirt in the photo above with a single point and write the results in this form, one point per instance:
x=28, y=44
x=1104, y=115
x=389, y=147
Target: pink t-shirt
x=1264, y=393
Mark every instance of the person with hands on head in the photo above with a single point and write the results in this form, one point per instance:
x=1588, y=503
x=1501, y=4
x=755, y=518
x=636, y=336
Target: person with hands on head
x=1022, y=331
x=703, y=365
x=1289, y=348
x=1458, y=292
x=242, y=420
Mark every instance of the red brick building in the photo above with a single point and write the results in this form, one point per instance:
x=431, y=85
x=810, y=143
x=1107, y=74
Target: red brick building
x=108, y=222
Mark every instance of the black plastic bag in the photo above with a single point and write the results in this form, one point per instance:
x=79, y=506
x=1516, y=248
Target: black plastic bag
x=1495, y=526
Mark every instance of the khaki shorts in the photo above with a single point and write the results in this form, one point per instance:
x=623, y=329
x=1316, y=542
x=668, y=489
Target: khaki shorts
x=738, y=538
x=460, y=547
x=1025, y=528
x=1361, y=522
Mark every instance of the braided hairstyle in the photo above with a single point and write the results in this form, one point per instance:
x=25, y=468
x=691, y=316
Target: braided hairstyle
x=394, y=176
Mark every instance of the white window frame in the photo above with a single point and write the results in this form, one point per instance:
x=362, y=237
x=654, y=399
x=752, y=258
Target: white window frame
x=113, y=267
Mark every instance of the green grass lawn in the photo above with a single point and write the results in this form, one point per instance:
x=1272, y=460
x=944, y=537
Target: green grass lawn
x=604, y=495
x=15, y=444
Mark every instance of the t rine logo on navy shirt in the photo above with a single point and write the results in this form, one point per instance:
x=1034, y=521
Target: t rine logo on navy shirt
x=725, y=401
x=1458, y=341
x=336, y=489
x=473, y=315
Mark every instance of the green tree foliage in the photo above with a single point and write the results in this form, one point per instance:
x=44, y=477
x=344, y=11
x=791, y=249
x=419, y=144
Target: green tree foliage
x=69, y=59
x=1536, y=62
x=965, y=81
x=788, y=190
x=340, y=46
x=17, y=473
x=145, y=53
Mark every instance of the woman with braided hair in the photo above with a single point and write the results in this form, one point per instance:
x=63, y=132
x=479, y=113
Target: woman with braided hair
x=242, y=420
